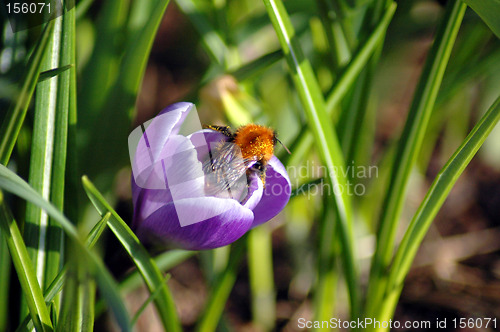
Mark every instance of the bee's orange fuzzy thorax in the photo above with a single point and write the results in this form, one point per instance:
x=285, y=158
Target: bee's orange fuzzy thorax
x=255, y=141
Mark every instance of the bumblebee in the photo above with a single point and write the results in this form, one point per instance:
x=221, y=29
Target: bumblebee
x=247, y=150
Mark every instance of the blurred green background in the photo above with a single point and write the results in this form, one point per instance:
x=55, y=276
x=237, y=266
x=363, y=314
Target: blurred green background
x=133, y=58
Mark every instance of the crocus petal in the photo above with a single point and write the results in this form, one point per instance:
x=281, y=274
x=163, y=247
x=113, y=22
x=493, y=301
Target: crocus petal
x=255, y=191
x=164, y=228
x=147, y=201
x=148, y=148
x=204, y=139
x=276, y=193
x=175, y=177
x=181, y=110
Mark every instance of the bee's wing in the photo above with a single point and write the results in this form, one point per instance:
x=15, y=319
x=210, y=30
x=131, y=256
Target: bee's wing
x=224, y=167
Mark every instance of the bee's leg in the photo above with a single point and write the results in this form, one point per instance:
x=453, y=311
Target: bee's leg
x=224, y=130
x=261, y=169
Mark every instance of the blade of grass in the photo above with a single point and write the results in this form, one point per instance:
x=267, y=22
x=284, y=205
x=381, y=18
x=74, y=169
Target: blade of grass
x=359, y=61
x=104, y=62
x=73, y=189
x=252, y=69
x=150, y=299
x=431, y=204
x=12, y=183
x=488, y=11
x=466, y=73
x=55, y=235
x=72, y=309
x=78, y=298
x=164, y=261
x=352, y=120
x=98, y=82
x=351, y=115
x=15, y=116
x=5, y=267
x=38, y=231
x=344, y=83
x=260, y=273
x=58, y=282
x=118, y=108
x=211, y=39
x=149, y=270
x=139, y=46
x=325, y=137
x=24, y=268
x=82, y=7
x=88, y=289
x=53, y=72
x=408, y=148
x=304, y=188
x=325, y=290
x=220, y=292
x=337, y=44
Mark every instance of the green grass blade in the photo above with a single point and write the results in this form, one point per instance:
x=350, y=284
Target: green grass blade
x=25, y=272
x=220, y=291
x=260, y=270
x=72, y=176
x=164, y=261
x=118, y=105
x=139, y=47
x=252, y=69
x=38, y=231
x=55, y=235
x=352, y=115
x=53, y=72
x=454, y=84
x=104, y=62
x=97, y=230
x=78, y=300
x=338, y=49
x=88, y=304
x=488, y=11
x=57, y=284
x=344, y=83
x=409, y=146
x=82, y=7
x=5, y=267
x=109, y=290
x=432, y=202
x=212, y=41
x=11, y=182
x=325, y=290
x=150, y=299
x=352, y=123
x=149, y=271
x=72, y=309
x=92, y=239
x=325, y=136
x=360, y=59
x=15, y=116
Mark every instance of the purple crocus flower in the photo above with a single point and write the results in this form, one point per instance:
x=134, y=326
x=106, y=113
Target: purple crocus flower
x=171, y=206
